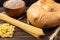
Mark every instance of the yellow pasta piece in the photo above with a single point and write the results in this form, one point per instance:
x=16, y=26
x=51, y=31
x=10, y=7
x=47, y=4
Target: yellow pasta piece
x=34, y=31
x=6, y=30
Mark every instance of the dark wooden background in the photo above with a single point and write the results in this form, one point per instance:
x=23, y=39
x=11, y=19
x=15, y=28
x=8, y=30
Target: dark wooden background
x=21, y=35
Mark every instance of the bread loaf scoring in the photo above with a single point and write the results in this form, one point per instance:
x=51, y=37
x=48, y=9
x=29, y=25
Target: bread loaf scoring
x=44, y=14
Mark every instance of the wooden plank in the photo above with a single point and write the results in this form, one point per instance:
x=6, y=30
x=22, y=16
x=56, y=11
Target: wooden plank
x=22, y=35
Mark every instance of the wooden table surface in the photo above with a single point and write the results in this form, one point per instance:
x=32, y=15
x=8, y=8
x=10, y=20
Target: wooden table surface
x=21, y=35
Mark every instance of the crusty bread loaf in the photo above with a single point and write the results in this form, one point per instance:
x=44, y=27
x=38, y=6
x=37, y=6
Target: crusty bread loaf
x=44, y=14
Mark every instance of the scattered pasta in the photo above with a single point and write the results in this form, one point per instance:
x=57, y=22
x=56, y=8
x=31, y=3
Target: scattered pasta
x=6, y=30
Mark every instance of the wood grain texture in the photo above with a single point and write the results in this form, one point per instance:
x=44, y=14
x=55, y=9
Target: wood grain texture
x=21, y=35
